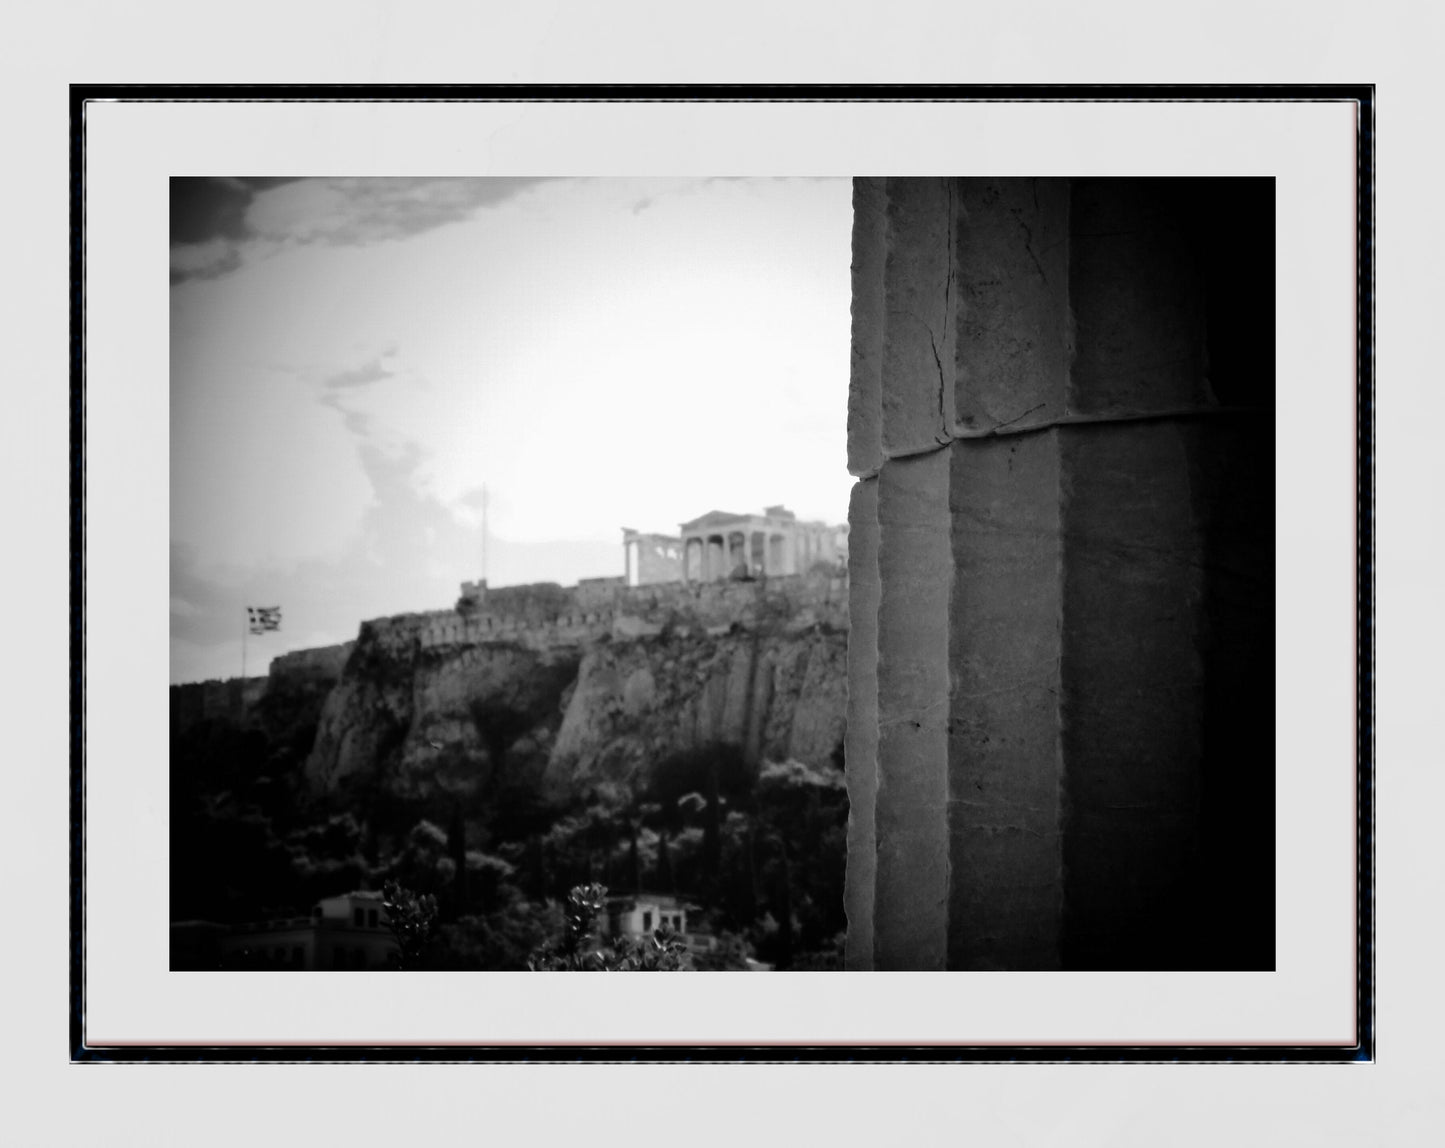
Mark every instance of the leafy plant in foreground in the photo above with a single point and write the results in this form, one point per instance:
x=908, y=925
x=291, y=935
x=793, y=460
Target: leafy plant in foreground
x=411, y=918
x=580, y=950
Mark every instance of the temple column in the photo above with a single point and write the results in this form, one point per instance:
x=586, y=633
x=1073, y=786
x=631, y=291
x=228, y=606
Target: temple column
x=775, y=554
x=1060, y=586
x=736, y=552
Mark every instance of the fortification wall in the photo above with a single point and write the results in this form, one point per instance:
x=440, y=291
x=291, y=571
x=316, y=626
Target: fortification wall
x=598, y=593
x=799, y=599
x=399, y=633
x=467, y=628
x=312, y=665
x=545, y=614
x=232, y=699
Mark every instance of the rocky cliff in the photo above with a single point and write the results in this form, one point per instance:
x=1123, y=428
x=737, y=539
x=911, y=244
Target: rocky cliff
x=775, y=695
x=440, y=704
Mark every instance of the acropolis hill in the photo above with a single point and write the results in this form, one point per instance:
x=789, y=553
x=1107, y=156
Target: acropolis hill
x=733, y=632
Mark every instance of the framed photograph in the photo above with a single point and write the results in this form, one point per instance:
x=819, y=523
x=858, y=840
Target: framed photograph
x=895, y=554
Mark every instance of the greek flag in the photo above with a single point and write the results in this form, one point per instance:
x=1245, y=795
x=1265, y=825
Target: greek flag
x=264, y=618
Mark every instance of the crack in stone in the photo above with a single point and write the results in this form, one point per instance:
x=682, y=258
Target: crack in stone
x=1016, y=418
x=943, y=438
x=1018, y=806
x=1029, y=247
x=968, y=434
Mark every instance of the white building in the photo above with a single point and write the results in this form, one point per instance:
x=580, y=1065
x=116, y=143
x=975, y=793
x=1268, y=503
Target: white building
x=346, y=932
x=637, y=915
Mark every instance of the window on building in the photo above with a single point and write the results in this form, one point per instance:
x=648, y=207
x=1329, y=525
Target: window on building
x=358, y=917
x=371, y=917
x=647, y=921
x=298, y=955
x=358, y=959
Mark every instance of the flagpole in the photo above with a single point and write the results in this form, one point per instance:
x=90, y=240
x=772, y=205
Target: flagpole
x=484, y=534
x=245, y=626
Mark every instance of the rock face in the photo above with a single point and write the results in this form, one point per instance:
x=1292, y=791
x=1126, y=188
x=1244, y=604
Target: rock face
x=435, y=704
x=773, y=695
x=411, y=719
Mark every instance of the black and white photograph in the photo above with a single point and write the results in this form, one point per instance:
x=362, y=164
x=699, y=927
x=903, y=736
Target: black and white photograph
x=722, y=574
x=489, y=726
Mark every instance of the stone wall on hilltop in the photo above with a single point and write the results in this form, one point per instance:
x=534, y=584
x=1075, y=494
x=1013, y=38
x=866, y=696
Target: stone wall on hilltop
x=321, y=663
x=231, y=700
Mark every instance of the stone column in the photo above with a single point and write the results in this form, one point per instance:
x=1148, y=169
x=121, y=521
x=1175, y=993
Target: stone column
x=1044, y=546
x=717, y=562
x=733, y=554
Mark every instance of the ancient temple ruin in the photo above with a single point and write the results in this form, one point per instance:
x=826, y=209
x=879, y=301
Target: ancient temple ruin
x=722, y=545
x=648, y=559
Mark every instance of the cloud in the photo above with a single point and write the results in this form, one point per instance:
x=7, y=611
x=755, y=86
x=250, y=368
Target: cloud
x=361, y=211
x=206, y=210
x=357, y=422
x=340, y=387
x=690, y=187
x=369, y=372
x=217, y=224
x=207, y=260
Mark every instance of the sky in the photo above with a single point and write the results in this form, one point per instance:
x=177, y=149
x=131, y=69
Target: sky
x=354, y=361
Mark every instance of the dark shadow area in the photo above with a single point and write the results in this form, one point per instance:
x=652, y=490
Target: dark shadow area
x=1170, y=746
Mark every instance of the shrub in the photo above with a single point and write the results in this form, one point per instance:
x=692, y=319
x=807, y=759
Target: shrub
x=411, y=918
x=579, y=950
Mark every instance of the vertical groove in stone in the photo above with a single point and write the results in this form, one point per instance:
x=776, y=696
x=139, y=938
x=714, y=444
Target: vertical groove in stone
x=860, y=748
x=1005, y=759
x=915, y=575
x=865, y=387
x=1011, y=298
x=918, y=336
x=1005, y=764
